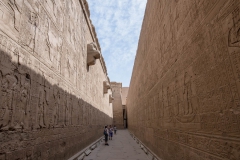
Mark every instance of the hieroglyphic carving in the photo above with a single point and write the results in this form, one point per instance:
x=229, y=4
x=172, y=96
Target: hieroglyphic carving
x=41, y=110
x=8, y=84
x=54, y=43
x=29, y=23
x=80, y=115
x=16, y=6
x=199, y=56
x=51, y=7
x=188, y=111
x=56, y=110
x=10, y=17
x=70, y=111
x=234, y=33
x=21, y=98
x=36, y=44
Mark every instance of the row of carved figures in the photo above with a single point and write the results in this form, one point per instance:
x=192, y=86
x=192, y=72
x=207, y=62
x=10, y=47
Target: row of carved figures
x=28, y=105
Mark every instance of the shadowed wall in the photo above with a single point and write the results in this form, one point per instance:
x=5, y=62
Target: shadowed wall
x=52, y=104
x=183, y=100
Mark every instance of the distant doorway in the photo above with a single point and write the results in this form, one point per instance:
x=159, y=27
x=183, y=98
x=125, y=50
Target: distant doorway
x=125, y=118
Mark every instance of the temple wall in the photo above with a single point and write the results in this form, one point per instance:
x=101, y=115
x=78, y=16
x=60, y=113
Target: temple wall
x=117, y=105
x=52, y=103
x=184, y=95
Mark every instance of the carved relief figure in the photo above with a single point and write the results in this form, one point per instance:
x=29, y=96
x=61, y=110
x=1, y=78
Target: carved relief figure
x=187, y=95
x=28, y=28
x=60, y=17
x=16, y=7
x=21, y=120
x=70, y=110
x=66, y=110
x=2, y=108
x=24, y=101
x=54, y=44
x=21, y=97
x=74, y=73
x=68, y=69
x=41, y=111
x=8, y=83
x=10, y=17
x=50, y=35
x=176, y=93
x=47, y=103
x=51, y=7
x=234, y=33
x=187, y=111
x=43, y=43
x=56, y=111
x=17, y=112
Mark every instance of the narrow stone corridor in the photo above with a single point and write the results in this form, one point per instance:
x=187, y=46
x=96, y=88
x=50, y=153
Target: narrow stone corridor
x=122, y=147
x=56, y=94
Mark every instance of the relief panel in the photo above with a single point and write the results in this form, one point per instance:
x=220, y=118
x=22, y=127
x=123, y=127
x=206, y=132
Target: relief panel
x=197, y=83
x=43, y=63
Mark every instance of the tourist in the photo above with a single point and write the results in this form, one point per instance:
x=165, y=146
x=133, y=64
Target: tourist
x=106, y=135
x=110, y=132
x=115, y=129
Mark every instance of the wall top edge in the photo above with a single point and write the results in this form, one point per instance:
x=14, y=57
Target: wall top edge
x=86, y=11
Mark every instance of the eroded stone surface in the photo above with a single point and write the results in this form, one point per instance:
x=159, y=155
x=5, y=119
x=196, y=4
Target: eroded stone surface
x=51, y=104
x=183, y=101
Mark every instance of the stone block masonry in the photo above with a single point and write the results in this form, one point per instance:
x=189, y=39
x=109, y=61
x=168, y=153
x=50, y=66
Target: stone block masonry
x=51, y=80
x=118, y=118
x=183, y=101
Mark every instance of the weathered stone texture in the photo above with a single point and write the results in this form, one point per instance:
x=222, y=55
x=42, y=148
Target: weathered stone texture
x=51, y=102
x=124, y=95
x=117, y=105
x=183, y=101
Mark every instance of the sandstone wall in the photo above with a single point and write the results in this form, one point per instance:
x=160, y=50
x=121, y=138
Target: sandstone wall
x=51, y=103
x=183, y=101
x=117, y=105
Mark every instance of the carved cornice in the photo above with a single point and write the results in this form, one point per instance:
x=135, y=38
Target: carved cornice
x=86, y=11
x=110, y=98
x=106, y=86
x=92, y=54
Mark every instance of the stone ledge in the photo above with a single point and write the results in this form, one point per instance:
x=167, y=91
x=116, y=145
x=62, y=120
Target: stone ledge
x=150, y=154
x=85, y=152
x=81, y=157
x=93, y=147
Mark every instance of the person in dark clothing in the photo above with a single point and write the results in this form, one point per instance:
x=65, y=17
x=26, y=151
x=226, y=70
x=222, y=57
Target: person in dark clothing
x=106, y=133
x=115, y=129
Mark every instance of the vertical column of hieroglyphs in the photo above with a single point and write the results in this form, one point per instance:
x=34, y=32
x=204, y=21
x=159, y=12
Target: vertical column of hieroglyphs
x=51, y=103
x=183, y=101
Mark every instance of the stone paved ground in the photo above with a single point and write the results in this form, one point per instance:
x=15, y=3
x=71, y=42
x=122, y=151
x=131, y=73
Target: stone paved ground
x=122, y=147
